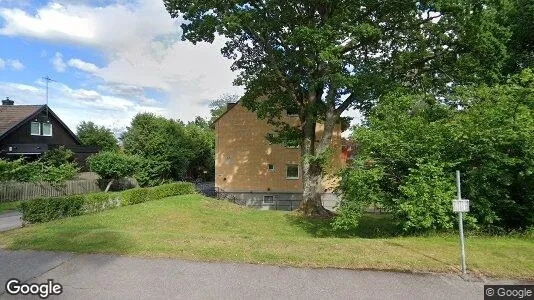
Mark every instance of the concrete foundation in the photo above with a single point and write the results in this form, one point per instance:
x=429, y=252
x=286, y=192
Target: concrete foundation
x=275, y=200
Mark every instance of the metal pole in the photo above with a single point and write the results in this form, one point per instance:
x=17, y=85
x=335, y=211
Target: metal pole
x=461, y=224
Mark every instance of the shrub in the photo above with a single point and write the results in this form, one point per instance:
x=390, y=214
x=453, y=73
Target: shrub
x=137, y=195
x=47, y=209
x=426, y=201
x=20, y=170
x=173, y=189
x=111, y=165
x=100, y=201
x=57, y=157
x=361, y=189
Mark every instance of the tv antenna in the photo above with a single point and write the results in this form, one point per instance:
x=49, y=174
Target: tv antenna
x=47, y=79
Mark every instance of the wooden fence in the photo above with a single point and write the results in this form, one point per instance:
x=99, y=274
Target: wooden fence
x=14, y=191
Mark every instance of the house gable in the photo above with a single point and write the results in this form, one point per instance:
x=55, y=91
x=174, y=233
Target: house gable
x=17, y=139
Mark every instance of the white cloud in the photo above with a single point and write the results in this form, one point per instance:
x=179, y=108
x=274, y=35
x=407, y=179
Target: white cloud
x=58, y=63
x=82, y=65
x=109, y=110
x=14, y=64
x=2, y=64
x=142, y=46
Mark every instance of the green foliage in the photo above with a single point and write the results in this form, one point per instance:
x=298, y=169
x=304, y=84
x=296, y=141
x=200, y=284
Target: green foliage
x=47, y=209
x=169, y=150
x=112, y=165
x=95, y=202
x=137, y=195
x=20, y=170
x=361, y=189
x=149, y=172
x=92, y=135
x=426, y=199
x=419, y=142
x=160, y=140
x=59, y=174
x=173, y=189
x=57, y=157
x=320, y=58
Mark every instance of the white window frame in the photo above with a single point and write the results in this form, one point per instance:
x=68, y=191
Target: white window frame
x=298, y=171
x=38, y=126
x=42, y=130
x=268, y=202
x=269, y=169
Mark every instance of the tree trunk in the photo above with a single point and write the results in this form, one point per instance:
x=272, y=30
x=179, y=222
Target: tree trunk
x=109, y=185
x=312, y=170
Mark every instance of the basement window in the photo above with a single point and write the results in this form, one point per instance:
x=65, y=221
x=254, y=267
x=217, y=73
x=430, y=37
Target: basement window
x=268, y=199
x=292, y=172
x=270, y=167
x=35, y=128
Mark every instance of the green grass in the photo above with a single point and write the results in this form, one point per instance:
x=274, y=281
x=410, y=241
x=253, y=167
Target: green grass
x=9, y=206
x=197, y=228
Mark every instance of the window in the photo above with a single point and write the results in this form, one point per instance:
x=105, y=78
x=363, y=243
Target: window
x=35, y=128
x=268, y=199
x=270, y=167
x=292, y=171
x=47, y=129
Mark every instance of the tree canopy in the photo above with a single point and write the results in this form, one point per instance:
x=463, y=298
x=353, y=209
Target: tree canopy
x=320, y=58
x=91, y=134
x=170, y=150
x=411, y=145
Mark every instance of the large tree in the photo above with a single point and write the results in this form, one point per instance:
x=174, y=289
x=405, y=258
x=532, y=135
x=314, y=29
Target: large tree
x=322, y=57
x=93, y=135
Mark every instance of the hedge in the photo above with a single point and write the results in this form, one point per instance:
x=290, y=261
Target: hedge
x=47, y=209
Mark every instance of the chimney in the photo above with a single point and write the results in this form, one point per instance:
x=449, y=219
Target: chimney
x=229, y=105
x=7, y=101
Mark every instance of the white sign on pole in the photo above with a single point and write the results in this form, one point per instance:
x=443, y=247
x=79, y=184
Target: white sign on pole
x=460, y=205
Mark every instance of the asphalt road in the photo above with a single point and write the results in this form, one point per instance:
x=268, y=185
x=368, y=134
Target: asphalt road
x=10, y=220
x=119, y=277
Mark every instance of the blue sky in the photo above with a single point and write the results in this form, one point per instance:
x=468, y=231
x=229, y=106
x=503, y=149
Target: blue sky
x=111, y=59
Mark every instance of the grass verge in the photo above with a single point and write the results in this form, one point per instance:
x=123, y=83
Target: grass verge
x=198, y=228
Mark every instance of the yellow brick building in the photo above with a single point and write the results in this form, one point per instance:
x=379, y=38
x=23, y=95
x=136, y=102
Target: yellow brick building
x=258, y=173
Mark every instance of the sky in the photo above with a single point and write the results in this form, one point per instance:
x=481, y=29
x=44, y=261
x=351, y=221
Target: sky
x=109, y=59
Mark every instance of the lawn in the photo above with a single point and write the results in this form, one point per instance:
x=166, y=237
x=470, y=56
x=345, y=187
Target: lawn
x=197, y=228
x=9, y=206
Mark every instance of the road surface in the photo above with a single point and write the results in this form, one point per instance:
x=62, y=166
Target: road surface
x=94, y=276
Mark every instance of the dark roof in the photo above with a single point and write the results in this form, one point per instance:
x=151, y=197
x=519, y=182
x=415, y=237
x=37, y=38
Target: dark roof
x=14, y=116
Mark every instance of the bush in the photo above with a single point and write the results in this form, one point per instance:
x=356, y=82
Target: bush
x=149, y=172
x=47, y=209
x=20, y=170
x=137, y=195
x=173, y=189
x=57, y=157
x=362, y=189
x=112, y=165
x=426, y=201
x=100, y=201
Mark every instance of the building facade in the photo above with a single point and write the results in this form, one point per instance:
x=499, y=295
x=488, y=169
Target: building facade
x=252, y=171
x=30, y=130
